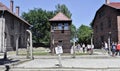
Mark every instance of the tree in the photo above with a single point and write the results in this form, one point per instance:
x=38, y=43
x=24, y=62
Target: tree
x=84, y=34
x=62, y=8
x=73, y=32
x=40, y=20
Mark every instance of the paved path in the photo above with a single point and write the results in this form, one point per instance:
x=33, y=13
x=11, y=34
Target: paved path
x=101, y=62
x=80, y=63
x=72, y=63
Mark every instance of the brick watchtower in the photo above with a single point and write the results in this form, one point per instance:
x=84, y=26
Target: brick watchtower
x=60, y=32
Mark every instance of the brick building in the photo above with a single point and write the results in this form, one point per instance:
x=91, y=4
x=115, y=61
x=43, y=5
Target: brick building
x=106, y=24
x=60, y=32
x=12, y=27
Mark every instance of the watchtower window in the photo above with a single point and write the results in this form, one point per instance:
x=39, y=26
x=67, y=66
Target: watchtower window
x=66, y=26
x=60, y=42
x=60, y=26
x=54, y=27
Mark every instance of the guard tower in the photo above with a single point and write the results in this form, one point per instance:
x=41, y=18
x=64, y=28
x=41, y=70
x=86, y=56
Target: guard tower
x=60, y=32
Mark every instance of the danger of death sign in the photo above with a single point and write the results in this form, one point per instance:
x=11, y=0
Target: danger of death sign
x=58, y=50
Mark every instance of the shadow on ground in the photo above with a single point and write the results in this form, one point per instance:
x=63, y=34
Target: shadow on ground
x=7, y=61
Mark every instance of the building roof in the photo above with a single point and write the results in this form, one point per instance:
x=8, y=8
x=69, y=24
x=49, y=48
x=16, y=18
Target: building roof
x=60, y=17
x=5, y=8
x=114, y=5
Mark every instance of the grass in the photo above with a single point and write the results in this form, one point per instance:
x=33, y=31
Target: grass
x=41, y=51
x=36, y=51
x=82, y=53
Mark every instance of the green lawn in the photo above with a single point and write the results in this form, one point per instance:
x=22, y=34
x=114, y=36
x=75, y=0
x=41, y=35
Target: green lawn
x=41, y=51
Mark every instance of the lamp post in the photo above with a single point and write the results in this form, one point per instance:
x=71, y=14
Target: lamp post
x=109, y=42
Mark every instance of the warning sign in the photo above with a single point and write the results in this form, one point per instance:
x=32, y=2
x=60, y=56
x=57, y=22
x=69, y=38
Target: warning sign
x=58, y=50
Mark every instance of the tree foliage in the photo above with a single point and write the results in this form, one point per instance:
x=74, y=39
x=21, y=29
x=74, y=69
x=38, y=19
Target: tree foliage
x=40, y=20
x=62, y=8
x=84, y=34
x=73, y=32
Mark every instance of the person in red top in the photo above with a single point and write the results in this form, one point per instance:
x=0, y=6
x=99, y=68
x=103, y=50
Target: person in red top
x=118, y=48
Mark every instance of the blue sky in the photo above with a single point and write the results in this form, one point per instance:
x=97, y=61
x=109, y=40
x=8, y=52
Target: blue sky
x=83, y=11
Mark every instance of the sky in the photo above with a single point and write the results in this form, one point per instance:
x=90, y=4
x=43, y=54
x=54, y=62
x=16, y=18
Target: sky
x=83, y=11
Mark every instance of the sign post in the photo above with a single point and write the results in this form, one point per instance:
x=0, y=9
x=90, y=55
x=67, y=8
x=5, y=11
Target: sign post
x=59, y=50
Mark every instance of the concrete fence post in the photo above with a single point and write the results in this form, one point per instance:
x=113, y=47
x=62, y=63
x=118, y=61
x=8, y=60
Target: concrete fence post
x=30, y=44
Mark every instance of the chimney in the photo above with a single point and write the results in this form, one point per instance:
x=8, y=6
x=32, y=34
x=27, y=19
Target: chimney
x=11, y=5
x=17, y=10
x=107, y=1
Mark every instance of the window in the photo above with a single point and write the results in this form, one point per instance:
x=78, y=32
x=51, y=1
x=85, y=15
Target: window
x=60, y=42
x=54, y=27
x=101, y=14
x=60, y=26
x=66, y=26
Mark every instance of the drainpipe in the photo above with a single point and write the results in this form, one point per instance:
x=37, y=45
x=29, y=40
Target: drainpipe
x=30, y=45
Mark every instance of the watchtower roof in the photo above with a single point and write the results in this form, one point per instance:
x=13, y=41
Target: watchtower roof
x=60, y=17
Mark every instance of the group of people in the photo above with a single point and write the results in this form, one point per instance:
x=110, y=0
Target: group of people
x=82, y=48
x=113, y=49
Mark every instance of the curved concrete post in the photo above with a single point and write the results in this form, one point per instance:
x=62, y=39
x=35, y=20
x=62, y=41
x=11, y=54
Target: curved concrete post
x=30, y=46
x=3, y=38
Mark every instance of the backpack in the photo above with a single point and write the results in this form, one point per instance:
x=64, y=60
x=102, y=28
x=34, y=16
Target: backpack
x=114, y=47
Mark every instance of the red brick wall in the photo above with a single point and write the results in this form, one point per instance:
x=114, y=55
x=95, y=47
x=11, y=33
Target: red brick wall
x=105, y=15
x=64, y=37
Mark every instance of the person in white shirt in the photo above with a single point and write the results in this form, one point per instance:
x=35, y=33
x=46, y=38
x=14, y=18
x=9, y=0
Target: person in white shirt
x=83, y=46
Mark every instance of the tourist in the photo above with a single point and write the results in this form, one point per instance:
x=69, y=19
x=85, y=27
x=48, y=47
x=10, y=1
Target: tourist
x=118, y=48
x=106, y=47
x=78, y=47
x=83, y=46
x=113, y=49
x=88, y=48
x=72, y=49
